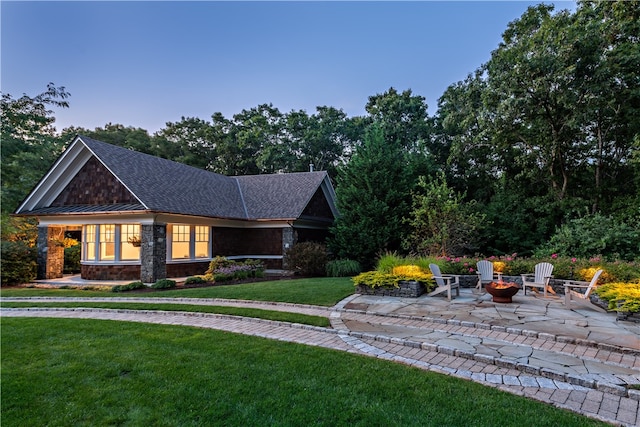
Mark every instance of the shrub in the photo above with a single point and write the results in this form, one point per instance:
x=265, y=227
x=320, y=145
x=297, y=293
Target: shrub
x=217, y=263
x=72, y=259
x=18, y=263
x=343, y=268
x=128, y=287
x=222, y=269
x=195, y=280
x=627, y=293
x=164, y=284
x=595, y=235
x=376, y=279
x=307, y=259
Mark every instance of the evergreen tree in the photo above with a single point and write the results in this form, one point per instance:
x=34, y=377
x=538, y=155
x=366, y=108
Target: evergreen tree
x=373, y=190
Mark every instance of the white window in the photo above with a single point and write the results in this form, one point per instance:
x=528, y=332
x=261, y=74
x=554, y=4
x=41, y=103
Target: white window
x=130, y=242
x=180, y=241
x=89, y=246
x=111, y=242
x=202, y=241
x=107, y=242
x=190, y=241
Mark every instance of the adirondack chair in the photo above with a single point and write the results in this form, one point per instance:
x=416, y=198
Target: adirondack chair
x=540, y=278
x=445, y=282
x=485, y=273
x=572, y=295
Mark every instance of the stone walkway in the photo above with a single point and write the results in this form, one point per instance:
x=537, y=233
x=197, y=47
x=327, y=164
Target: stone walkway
x=581, y=360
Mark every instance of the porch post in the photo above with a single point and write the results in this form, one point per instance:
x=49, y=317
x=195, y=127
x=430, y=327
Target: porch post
x=153, y=252
x=50, y=252
x=288, y=240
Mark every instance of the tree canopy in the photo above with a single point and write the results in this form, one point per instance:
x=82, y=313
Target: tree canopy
x=547, y=131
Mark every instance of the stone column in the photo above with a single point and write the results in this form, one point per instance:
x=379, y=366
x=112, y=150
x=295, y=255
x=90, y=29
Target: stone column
x=50, y=252
x=153, y=253
x=288, y=240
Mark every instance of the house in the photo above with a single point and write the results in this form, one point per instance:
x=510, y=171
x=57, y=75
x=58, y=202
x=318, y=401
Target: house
x=146, y=218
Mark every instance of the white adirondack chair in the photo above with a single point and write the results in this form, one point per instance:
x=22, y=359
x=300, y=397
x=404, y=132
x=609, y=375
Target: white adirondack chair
x=572, y=295
x=445, y=282
x=485, y=273
x=540, y=278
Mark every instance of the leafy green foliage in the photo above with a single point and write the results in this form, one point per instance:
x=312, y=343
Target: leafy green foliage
x=164, y=284
x=222, y=269
x=594, y=235
x=441, y=222
x=18, y=262
x=307, y=259
x=72, y=259
x=195, y=280
x=378, y=279
x=372, y=197
x=129, y=287
x=343, y=268
x=27, y=137
x=623, y=297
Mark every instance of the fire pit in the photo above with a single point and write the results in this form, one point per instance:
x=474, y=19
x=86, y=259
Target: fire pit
x=501, y=291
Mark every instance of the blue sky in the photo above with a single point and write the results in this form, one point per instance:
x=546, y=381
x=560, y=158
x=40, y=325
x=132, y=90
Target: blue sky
x=143, y=64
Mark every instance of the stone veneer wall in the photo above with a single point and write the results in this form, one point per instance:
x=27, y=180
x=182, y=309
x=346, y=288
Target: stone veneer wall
x=153, y=252
x=407, y=289
x=50, y=252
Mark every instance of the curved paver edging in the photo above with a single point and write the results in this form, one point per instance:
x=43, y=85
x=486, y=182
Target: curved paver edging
x=510, y=330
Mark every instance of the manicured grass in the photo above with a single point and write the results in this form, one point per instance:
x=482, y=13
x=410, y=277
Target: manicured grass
x=325, y=291
x=233, y=311
x=62, y=372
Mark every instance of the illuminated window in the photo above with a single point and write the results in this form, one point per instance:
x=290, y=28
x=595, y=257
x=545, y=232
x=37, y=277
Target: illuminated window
x=89, y=246
x=180, y=241
x=202, y=241
x=107, y=242
x=130, y=242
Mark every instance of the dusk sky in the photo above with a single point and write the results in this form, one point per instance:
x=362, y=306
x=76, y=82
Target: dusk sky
x=143, y=64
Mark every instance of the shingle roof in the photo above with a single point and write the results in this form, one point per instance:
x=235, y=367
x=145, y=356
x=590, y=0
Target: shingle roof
x=167, y=186
x=279, y=196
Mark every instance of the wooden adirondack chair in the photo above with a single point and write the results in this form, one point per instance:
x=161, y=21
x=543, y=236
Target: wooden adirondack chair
x=571, y=295
x=445, y=282
x=540, y=278
x=485, y=273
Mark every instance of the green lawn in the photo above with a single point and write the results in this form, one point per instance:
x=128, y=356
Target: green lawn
x=62, y=372
x=326, y=291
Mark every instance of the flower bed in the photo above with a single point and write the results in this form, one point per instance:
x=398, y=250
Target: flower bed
x=222, y=269
x=403, y=281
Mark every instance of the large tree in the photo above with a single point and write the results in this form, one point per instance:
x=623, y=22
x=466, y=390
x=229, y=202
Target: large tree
x=373, y=192
x=29, y=142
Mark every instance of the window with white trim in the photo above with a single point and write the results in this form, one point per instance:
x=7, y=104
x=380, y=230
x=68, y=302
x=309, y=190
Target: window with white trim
x=111, y=242
x=202, y=241
x=89, y=243
x=107, y=242
x=130, y=242
x=190, y=241
x=180, y=241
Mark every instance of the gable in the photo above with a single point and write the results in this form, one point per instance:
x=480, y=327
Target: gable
x=318, y=207
x=94, y=185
